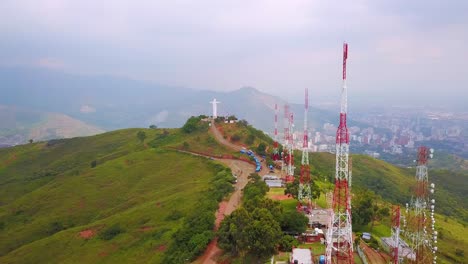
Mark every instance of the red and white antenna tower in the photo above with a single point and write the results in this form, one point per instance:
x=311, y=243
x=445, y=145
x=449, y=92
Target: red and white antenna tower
x=418, y=229
x=284, y=156
x=276, y=154
x=304, y=193
x=395, y=234
x=289, y=156
x=339, y=234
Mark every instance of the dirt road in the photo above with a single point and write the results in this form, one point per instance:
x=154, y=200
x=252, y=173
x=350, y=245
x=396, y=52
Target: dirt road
x=373, y=256
x=242, y=170
x=220, y=138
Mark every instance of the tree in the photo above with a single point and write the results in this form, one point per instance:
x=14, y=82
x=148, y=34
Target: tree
x=141, y=135
x=30, y=141
x=261, y=148
x=315, y=190
x=294, y=222
x=292, y=188
x=93, y=163
x=231, y=233
x=153, y=126
x=363, y=208
x=243, y=123
x=263, y=234
x=236, y=137
x=287, y=242
x=191, y=125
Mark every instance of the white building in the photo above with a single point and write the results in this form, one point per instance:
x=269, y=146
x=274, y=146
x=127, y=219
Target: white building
x=301, y=256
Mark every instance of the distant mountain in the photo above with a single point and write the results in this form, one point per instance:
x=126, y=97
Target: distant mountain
x=113, y=103
x=18, y=125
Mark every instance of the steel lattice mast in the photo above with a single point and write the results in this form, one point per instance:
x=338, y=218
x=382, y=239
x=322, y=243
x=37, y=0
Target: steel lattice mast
x=304, y=194
x=284, y=155
x=339, y=234
x=276, y=154
x=419, y=231
x=290, y=150
x=395, y=234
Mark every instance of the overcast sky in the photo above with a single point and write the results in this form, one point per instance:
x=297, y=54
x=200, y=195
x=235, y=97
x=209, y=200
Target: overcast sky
x=400, y=51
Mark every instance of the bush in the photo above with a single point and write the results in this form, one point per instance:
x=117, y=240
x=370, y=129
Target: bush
x=111, y=232
x=235, y=137
x=93, y=163
x=191, y=125
x=287, y=242
x=261, y=149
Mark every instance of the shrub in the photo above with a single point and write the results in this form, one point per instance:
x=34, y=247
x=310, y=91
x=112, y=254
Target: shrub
x=111, y=232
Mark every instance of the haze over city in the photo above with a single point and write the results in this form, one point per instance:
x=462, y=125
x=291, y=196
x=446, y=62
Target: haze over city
x=401, y=52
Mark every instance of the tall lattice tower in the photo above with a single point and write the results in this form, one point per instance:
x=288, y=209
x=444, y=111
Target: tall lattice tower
x=339, y=234
x=395, y=247
x=284, y=161
x=304, y=193
x=276, y=155
x=419, y=221
x=289, y=155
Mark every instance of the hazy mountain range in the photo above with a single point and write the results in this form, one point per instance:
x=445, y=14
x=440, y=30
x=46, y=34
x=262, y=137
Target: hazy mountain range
x=107, y=103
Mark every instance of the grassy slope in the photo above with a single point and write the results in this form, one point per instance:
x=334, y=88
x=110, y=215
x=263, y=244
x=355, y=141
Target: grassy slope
x=129, y=187
x=44, y=189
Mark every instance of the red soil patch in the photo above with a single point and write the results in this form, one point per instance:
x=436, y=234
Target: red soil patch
x=161, y=248
x=103, y=254
x=87, y=234
x=158, y=204
x=146, y=228
x=220, y=214
x=280, y=197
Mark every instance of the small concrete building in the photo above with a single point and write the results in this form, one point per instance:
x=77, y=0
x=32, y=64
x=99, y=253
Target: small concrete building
x=301, y=256
x=319, y=216
x=272, y=181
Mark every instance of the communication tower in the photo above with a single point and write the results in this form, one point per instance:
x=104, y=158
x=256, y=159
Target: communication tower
x=304, y=193
x=395, y=235
x=339, y=235
x=276, y=154
x=419, y=221
x=289, y=155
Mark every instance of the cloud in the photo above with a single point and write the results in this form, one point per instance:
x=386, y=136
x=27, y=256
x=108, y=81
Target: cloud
x=277, y=46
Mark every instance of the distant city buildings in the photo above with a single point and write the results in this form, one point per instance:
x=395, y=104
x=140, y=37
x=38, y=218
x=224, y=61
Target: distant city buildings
x=393, y=134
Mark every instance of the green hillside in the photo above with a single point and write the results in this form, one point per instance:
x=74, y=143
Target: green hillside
x=117, y=197
x=129, y=196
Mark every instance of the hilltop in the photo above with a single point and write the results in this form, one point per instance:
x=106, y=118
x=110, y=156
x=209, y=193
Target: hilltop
x=121, y=196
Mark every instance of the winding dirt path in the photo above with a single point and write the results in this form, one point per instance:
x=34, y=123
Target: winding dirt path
x=240, y=168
